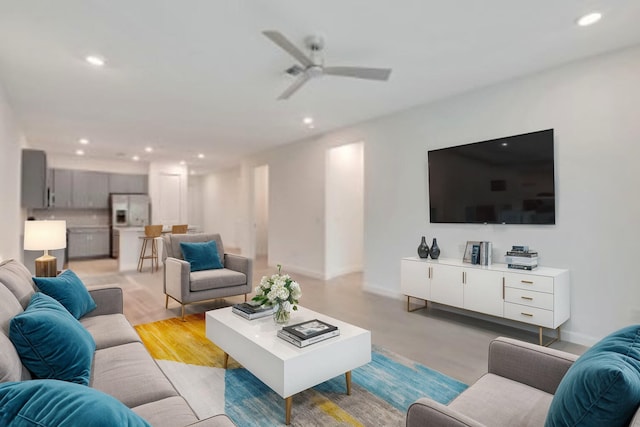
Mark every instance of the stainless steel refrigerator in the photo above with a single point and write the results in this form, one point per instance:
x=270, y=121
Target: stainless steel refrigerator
x=127, y=210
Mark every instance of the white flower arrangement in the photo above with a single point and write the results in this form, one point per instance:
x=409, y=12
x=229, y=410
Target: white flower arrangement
x=278, y=290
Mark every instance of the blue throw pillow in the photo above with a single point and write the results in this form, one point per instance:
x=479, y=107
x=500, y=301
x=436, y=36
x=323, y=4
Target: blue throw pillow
x=602, y=387
x=51, y=343
x=59, y=403
x=68, y=290
x=201, y=255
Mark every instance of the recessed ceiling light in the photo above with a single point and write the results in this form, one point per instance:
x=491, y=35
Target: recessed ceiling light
x=182, y=162
x=135, y=158
x=201, y=156
x=307, y=120
x=95, y=60
x=83, y=141
x=504, y=144
x=589, y=18
x=148, y=149
x=79, y=152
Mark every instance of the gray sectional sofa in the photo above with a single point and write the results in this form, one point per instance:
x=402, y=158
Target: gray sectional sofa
x=122, y=367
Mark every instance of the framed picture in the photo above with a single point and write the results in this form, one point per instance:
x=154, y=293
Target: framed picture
x=468, y=250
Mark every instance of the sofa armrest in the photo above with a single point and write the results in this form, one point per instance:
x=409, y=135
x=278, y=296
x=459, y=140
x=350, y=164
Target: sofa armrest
x=240, y=264
x=530, y=364
x=108, y=299
x=427, y=412
x=176, y=277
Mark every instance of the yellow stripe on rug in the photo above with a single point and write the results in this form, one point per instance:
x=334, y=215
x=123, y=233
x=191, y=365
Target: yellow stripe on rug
x=178, y=341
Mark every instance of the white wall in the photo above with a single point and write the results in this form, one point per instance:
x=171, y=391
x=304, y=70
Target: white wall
x=344, y=226
x=261, y=209
x=220, y=205
x=11, y=142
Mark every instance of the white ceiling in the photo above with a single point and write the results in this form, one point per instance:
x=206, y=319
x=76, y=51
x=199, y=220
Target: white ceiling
x=196, y=76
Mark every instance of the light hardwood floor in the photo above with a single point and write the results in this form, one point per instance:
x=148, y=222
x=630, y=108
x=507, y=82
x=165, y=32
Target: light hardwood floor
x=451, y=343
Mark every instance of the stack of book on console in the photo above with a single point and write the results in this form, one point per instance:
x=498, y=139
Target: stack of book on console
x=309, y=332
x=250, y=311
x=521, y=258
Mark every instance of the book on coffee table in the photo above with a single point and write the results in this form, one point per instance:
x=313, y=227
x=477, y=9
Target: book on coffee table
x=251, y=311
x=309, y=329
x=293, y=339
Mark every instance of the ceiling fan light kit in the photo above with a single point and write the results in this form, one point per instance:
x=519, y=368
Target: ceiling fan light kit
x=313, y=64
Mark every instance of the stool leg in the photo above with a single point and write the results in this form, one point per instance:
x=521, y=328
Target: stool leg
x=141, y=259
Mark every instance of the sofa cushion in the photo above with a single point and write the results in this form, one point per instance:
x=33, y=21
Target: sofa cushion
x=68, y=290
x=11, y=368
x=51, y=342
x=59, y=403
x=214, y=279
x=171, y=411
x=201, y=255
x=497, y=401
x=110, y=330
x=602, y=387
x=128, y=373
x=9, y=308
x=17, y=278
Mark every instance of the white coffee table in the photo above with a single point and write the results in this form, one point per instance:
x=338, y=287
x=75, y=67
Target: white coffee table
x=285, y=368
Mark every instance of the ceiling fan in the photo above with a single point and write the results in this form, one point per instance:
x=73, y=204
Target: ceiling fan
x=313, y=64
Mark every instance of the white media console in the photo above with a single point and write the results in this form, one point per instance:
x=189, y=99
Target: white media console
x=540, y=297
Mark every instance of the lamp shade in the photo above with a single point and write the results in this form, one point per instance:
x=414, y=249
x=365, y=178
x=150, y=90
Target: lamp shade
x=45, y=235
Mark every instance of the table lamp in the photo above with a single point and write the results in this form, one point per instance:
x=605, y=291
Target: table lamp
x=45, y=236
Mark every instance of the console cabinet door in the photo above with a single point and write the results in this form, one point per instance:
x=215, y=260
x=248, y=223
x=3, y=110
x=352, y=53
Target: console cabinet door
x=414, y=279
x=483, y=291
x=446, y=285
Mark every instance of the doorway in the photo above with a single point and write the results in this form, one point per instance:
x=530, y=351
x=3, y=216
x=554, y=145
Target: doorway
x=261, y=212
x=344, y=210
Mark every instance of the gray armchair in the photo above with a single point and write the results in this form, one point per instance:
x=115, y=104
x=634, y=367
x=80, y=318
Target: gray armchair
x=517, y=390
x=187, y=287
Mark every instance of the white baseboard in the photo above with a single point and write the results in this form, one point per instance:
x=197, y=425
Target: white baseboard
x=345, y=270
x=368, y=287
x=293, y=269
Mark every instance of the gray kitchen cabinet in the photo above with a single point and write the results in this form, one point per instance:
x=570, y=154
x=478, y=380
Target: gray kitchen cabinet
x=127, y=183
x=62, y=188
x=88, y=243
x=90, y=189
x=34, y=192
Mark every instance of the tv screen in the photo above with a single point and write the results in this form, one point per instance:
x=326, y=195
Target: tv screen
x=502, y=181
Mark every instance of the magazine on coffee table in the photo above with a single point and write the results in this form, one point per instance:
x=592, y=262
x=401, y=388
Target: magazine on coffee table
x=250, y=311
x=309, y=329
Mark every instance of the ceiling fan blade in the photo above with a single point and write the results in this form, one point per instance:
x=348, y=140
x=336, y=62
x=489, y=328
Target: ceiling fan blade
x=288, y=47
x=294, y=86
x=359, y=72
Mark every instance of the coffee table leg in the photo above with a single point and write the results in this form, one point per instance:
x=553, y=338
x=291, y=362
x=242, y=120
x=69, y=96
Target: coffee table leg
x=288, y=402
x=226, y=360
x=347, y=376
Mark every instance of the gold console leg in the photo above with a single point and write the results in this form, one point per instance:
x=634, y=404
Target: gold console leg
x=557, y=338
x=226, y=360
x=288, y=403
x=409, y=306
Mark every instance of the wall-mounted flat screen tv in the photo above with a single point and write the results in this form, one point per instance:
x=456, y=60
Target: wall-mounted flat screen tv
x=502, y=181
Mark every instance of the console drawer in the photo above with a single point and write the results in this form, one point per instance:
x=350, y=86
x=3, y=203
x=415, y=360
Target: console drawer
x=529, y=298
x=529, y=282
x=526, y=314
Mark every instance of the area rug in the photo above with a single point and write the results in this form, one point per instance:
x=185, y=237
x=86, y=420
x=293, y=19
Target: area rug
x=381, y=390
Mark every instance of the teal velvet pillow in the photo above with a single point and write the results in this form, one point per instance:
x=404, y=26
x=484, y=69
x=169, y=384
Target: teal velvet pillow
x=68, y=290
x=58, y=403
x=602, y=387
x=201, y=255
x=51, y=343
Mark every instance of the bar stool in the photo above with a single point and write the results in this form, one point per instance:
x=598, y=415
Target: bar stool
x=151, y=232
x=179, y=229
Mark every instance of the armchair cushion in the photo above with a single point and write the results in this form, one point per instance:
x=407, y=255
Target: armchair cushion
x=68, y=290
x=603, y=386
x=201, y=255
x=214, y=279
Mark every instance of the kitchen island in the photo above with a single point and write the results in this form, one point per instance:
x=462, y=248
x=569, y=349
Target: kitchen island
x=129, y=247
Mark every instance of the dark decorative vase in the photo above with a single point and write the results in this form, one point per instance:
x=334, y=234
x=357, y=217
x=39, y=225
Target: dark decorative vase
x=423, y=249
x=435, y=250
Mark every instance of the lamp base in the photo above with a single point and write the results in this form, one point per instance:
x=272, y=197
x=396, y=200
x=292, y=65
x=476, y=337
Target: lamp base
x=46, y=266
